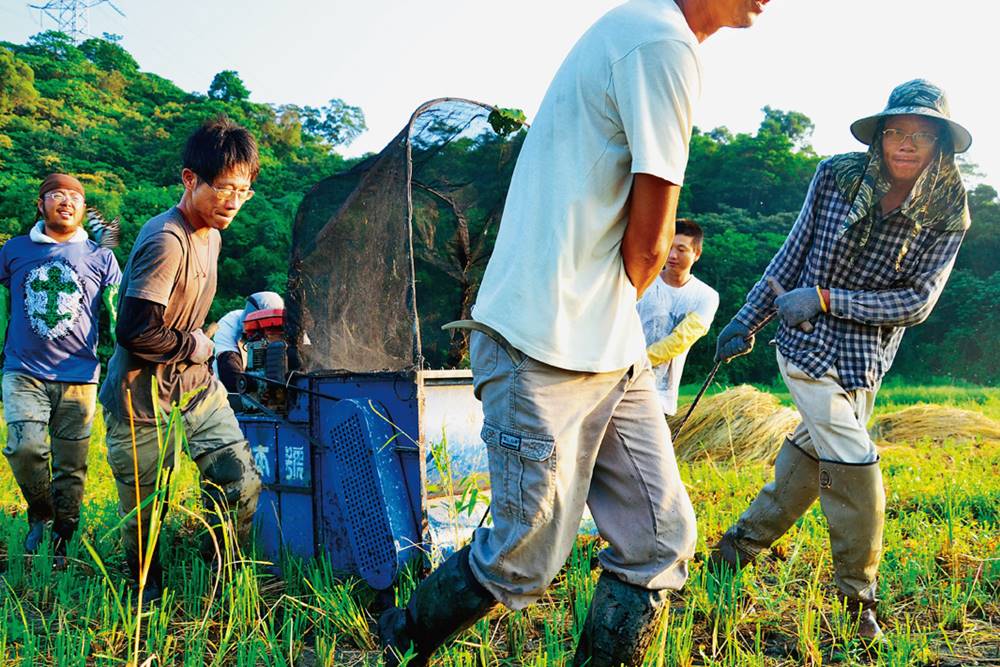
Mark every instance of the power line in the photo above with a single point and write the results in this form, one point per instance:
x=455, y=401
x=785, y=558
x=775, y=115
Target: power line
x=70, y=16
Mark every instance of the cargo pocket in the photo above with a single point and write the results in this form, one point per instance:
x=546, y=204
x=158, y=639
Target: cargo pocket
x=522, y=474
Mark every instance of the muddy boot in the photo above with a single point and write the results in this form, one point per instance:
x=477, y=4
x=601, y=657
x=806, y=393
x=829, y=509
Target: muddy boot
x=62, y=533
x=853, y=501
x=620, y=625
x=450, y=600
x=153, y=590
x=33, y=540
x=772, y=512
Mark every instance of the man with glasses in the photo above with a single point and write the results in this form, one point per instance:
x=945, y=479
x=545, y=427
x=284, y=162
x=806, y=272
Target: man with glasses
x=868, y=257
x=162, y=357
x=57, y=278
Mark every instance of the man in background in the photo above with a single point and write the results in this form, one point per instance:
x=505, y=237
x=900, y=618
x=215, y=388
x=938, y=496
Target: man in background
x=57, y=278
x=230, y=346
x=676, y=310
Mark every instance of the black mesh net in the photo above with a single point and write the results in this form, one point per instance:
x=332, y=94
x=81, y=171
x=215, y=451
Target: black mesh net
x=409, y=228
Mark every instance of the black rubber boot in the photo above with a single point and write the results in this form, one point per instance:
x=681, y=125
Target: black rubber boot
x=450, y=600
x=153, y=590
x=33, y=540
x=62, y=533
x=620, y=625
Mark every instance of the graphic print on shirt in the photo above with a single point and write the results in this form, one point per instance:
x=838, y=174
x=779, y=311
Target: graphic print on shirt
x=53, y=299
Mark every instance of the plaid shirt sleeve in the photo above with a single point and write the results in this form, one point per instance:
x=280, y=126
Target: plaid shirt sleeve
x=903, y=306
x=787, y=264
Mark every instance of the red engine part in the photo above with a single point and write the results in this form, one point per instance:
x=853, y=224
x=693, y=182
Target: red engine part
x=265, y=324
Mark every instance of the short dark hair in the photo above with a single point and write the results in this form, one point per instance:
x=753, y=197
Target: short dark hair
x=689, y=227
x=220, y=145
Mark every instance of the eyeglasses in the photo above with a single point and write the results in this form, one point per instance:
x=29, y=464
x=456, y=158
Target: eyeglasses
x=225, y=194
x=895, y=137
x=59, y=197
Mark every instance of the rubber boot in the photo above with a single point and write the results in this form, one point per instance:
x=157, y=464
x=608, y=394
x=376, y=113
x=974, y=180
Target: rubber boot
x=853, y=501
x=778, y=505
x=447, y=602
x=33, y=540
x=620, y=625
x=62, y=533
x=153, y=590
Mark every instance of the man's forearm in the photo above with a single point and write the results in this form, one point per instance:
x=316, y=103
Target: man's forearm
x=141, y=331
x=650, y=229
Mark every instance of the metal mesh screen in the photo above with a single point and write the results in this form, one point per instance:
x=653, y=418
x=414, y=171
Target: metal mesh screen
x=409, y=228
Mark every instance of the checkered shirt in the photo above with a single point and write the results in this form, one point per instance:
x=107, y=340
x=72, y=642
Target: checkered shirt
x=873, y=295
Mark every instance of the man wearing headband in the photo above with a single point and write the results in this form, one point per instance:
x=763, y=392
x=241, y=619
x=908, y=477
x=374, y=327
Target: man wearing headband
x=57, y=278
x=868, y=257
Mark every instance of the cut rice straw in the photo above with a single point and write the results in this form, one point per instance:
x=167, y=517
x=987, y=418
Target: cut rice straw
x=935, y=423
x=742, y=425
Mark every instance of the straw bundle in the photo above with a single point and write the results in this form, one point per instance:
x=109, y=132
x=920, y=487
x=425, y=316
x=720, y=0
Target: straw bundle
x=740, y=423
x=934, y=422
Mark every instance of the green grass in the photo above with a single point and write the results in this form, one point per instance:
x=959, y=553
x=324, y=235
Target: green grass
x=940, y=583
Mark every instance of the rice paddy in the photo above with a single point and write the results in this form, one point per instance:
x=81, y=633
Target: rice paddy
x=940, y=578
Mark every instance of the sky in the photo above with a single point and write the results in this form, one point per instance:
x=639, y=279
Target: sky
x=834, y=60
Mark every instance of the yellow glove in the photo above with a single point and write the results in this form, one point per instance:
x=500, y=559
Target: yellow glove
x=678, y=341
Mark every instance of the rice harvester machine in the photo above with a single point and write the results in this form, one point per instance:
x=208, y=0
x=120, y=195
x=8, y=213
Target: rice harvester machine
x=335, y=384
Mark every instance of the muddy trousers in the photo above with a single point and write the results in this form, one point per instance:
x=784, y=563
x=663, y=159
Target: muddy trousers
x=64, y=411
x=230, y=483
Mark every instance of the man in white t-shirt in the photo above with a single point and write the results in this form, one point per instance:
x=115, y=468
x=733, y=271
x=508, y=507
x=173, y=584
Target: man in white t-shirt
x=230, y=348
x=676, y=310
x=571, y=416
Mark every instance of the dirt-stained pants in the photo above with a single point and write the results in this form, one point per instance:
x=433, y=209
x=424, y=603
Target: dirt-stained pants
x=65, y=411
x=559, y=439
x=229, y=480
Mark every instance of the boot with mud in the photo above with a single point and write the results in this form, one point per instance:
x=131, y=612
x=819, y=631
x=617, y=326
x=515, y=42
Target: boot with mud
x=853, y=501
x=778, y=505
x=35, y=535
x=620, y=625
x=447, y=602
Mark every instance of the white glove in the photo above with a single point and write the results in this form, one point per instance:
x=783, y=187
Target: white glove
x=203, y=348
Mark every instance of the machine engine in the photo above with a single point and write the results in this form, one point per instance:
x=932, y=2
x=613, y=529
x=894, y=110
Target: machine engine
x=267, y=360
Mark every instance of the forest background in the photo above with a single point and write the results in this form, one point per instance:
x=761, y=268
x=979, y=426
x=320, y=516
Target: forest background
x=87, y=109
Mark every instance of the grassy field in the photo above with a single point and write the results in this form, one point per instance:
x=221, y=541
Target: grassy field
x=940, y=582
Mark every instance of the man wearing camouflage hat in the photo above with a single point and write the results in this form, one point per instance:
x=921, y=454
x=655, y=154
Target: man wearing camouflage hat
x=868, y=257
x=57, y=277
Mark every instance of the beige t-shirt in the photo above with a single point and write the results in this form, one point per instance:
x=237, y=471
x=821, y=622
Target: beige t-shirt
x=621, y=103
x=173, y=267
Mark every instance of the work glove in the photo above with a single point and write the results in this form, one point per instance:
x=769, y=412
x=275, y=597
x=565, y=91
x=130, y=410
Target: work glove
x=734, y=341
x=203, y=348
x=798, y=305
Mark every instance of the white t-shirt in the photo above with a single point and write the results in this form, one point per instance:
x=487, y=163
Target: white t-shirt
x=228, y=336
x=621, y=103
x=661, y=309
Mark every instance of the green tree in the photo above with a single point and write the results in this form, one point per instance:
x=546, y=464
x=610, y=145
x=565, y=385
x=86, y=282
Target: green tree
x=17, y=83
x=228, y=87
x=338, y=123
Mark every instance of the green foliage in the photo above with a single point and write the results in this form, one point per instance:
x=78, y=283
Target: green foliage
x=89, y=110
x=228, y=87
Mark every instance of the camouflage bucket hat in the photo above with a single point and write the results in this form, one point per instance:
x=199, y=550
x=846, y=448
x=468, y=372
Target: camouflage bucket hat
x=918, y=97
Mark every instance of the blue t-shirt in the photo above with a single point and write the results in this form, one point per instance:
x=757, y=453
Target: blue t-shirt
x=55, y=292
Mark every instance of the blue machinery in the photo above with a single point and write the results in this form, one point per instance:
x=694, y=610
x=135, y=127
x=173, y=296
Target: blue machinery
x=342, y=473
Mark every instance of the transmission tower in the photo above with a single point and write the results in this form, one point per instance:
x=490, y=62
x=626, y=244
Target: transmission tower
x=70, y=16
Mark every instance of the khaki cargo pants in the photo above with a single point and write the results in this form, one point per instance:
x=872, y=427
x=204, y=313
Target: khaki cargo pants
x=65, y=411
x=229, y=479
x=557, y=440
